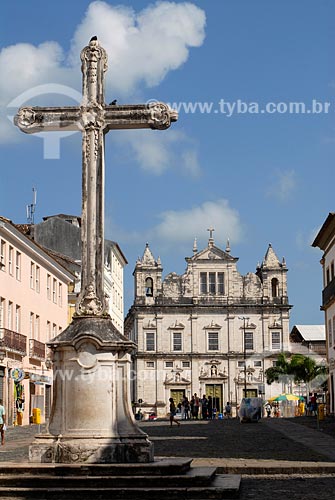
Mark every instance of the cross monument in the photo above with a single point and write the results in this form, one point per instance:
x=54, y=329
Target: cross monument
x=94, y=119
x=92, y=420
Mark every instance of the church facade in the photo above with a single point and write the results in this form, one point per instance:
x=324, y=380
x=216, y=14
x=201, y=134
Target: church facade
x=209, y=331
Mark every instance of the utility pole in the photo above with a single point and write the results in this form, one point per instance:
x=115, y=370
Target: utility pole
x=245, y=319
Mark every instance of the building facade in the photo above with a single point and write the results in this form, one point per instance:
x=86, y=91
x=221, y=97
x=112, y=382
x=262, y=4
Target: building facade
x=33, y=309
x=325, y=240
x=209, y=331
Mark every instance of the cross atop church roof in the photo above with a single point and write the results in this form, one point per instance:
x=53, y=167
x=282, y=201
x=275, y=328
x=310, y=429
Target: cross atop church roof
x=211, y=239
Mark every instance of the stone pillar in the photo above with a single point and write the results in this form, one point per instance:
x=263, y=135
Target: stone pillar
x=98, y=425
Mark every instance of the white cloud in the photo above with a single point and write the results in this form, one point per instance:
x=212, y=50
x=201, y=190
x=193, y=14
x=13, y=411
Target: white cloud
x=180, y=227
x=143, y=46
x=156, y=152
x=183, y=226
x=283, y=185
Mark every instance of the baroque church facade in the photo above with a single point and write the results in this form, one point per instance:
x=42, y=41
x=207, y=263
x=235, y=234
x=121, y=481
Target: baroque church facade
x=209, y=331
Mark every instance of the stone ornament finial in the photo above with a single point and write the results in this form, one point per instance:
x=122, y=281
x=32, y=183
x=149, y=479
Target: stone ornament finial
x=24, y=118
x=89, y=305
x=161, y=115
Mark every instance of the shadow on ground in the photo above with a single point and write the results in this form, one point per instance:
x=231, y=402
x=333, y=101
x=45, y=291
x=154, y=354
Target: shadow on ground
x=226, y=439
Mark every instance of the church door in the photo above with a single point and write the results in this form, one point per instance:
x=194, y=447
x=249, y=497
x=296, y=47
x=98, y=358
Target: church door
x=177, y=395
x=215, y=390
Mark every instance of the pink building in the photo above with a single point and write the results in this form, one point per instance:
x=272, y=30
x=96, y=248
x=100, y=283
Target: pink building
x=33, y=309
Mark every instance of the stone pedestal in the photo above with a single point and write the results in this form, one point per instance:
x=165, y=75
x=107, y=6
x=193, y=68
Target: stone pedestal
x=92, y=420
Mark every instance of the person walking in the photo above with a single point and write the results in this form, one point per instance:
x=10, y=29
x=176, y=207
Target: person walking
x=196, y=406
x=2, y=422
x=228, y=409
x=173, y=413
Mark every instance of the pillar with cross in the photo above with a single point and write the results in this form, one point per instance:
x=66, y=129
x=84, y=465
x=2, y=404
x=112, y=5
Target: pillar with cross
x=94, y=119
x=92, y=419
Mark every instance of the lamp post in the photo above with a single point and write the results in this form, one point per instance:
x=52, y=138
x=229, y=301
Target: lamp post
x=245, y=319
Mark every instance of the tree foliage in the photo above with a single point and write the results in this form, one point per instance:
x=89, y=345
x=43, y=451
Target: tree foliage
x=299, y=368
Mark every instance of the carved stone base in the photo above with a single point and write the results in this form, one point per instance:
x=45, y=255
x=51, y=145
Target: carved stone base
x=47, y=449
x=91, y=419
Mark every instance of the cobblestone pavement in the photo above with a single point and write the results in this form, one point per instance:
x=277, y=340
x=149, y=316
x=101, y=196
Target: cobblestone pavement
x=271, y=446
x=230, y=439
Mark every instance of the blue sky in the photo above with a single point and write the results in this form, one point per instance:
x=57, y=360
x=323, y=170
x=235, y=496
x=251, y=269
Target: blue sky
x=256, y=177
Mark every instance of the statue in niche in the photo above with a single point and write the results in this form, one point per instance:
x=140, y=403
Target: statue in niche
x=203, y=372
x=214, y=371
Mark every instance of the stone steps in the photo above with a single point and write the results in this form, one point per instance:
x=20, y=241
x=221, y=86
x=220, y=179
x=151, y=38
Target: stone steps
x=222, y=487
x=197, y=476
x=170, y=478
x=161, y=466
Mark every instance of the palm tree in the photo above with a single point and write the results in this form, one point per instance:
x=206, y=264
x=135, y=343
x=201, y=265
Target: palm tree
x=300, y=369
x=305, y=369
x=279, y=373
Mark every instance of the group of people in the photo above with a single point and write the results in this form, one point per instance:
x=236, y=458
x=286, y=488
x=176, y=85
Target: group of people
x=196, y=408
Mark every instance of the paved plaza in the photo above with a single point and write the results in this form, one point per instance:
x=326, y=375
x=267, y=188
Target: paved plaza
x=274, y=456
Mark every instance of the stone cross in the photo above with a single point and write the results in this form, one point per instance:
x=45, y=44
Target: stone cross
x=211, y=231
x=94, y=119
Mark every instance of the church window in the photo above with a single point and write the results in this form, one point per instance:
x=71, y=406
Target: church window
x=275, y=341
x=203, y=282
x=213, y=341
x=220, y=290
x=150, y=341
x=177, y=341
x=274, y=287
x=249, y=341
x=149, y=287
x=212, y=283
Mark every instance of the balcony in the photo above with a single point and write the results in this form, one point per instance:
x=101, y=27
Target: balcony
x=13, y=341
x=36, y=349
x=328, y=293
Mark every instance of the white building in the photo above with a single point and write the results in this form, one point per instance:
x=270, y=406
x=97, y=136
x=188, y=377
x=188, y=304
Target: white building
x=210, y=330
x=325, y=240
